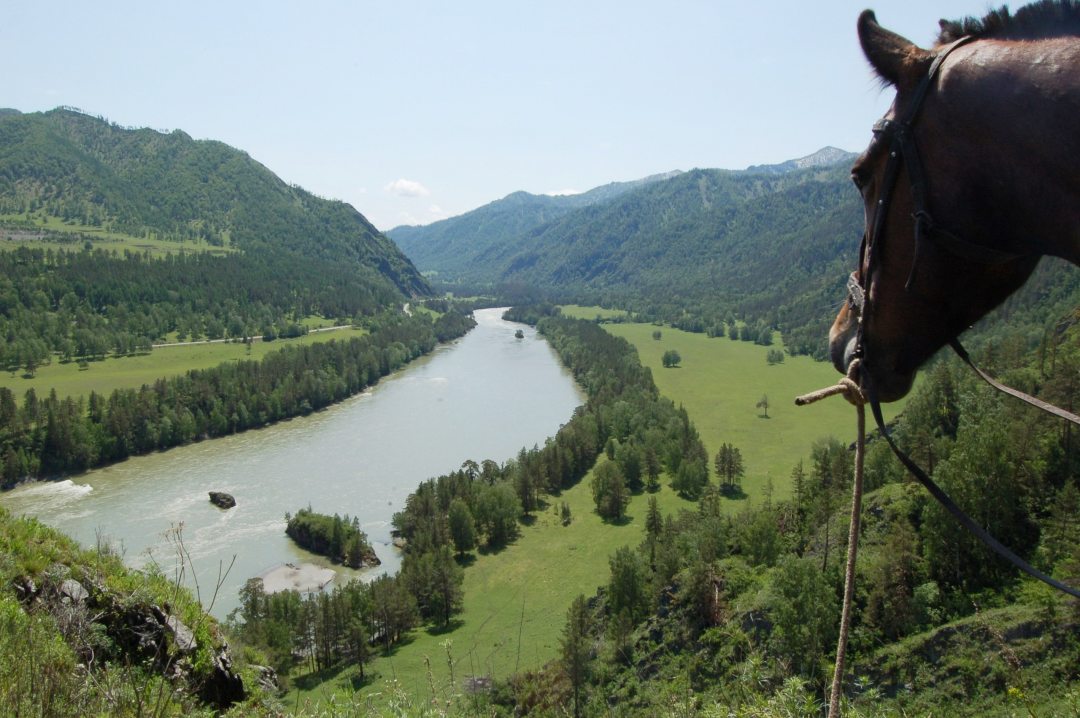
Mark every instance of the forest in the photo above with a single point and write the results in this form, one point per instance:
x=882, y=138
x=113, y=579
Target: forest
x=84, y=305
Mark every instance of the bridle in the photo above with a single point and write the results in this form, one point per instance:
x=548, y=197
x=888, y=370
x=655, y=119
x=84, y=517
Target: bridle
x=904, y=152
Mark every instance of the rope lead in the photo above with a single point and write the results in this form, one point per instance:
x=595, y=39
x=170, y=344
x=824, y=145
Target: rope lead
x=849, y=389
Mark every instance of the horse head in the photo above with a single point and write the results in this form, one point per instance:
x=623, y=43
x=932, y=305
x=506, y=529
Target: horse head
x=957, y=193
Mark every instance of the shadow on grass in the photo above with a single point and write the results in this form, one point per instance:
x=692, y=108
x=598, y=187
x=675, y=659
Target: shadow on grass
x=466, y=560
x=453, y=625
x=310, y=681
x=488, y=550
x=735, y=493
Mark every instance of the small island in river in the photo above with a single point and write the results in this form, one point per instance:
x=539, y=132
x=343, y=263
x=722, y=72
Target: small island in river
x=338, y=538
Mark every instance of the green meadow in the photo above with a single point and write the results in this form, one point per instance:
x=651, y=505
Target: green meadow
x=73, y=236
x=134, y=371
x=720, y=382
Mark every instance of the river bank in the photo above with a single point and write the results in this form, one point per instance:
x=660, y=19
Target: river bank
x=466, y=400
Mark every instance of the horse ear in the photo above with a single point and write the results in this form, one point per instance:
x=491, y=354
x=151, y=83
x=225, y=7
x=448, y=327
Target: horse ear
x=892, y=56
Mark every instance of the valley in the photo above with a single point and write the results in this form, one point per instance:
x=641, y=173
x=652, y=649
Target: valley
x=161, y=309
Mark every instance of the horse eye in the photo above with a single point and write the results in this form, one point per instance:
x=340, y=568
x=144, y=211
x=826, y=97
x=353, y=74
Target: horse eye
x=857, y=180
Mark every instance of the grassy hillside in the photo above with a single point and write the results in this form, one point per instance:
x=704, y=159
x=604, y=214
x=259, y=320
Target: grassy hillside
x=82, y=635
x=43, y=231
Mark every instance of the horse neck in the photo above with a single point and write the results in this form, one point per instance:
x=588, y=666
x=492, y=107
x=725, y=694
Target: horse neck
x=1017, y=103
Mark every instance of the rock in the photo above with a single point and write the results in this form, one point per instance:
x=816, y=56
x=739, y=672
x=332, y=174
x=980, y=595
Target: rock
x=222, y=499
x=267, y=678
x=183, y=637
x=25, y=588
x=224, y=686
x=73, y=591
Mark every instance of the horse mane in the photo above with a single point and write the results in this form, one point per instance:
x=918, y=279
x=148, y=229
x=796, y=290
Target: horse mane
x=1045, y=18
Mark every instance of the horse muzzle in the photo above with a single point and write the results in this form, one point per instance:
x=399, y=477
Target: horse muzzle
x=874, y=377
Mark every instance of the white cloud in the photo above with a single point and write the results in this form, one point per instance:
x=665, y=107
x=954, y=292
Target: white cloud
x=562, y=192
x=407, y=188
x=437, y=212
x=409, y=219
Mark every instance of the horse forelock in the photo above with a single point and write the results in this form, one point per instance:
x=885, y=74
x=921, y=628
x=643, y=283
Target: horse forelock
x=1043, y=19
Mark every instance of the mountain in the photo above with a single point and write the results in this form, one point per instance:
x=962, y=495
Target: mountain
x=825, y=157
x=85, y=170
x=450, y=248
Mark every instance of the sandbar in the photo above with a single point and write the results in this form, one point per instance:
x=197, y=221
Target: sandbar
x=304, y=577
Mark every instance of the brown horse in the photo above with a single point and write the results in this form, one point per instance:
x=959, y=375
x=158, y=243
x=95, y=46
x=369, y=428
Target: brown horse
x=985, y=181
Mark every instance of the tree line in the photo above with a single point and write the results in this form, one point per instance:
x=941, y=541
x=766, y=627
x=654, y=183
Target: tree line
x=85, y=305
x=49, y=436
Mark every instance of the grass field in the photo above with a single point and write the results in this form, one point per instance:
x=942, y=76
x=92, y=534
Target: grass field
x=134, y=371
x=99, y=238
x=720, y=383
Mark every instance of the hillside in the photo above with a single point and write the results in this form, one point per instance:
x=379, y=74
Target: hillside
x=449, y=249
x=85, y=170
x=107, y=231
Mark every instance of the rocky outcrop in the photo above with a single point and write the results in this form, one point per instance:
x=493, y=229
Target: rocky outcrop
x=222, y=499
x=138, y=632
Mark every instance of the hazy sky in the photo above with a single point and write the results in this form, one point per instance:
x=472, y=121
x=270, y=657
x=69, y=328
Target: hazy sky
x=415, y=111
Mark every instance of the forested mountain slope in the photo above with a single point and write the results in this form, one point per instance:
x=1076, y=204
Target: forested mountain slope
x=139, y=180
x=450, y=248
x=69, y=181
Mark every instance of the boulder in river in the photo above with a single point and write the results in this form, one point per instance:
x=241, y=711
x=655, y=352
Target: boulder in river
x=222, y=499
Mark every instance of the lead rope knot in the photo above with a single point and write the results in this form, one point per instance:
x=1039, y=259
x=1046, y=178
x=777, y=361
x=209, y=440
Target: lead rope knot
x=848, y=387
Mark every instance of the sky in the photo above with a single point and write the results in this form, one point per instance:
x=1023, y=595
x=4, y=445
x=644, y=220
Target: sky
x=413, y=110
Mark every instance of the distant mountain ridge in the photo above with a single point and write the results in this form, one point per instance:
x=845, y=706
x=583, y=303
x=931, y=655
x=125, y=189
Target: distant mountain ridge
x=448, y=248
x=93, y=172
x=825, y=157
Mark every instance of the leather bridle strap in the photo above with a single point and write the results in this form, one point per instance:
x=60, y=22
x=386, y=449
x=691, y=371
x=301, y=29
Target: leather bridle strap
x=1015, y=393
x=966, y=521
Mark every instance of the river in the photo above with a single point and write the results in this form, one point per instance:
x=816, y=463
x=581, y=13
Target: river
x=484, y=396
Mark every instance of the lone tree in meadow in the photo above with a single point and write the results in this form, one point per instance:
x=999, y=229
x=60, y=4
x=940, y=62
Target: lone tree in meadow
x=764, y=406
x=671, y=359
